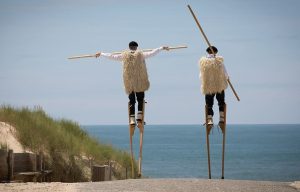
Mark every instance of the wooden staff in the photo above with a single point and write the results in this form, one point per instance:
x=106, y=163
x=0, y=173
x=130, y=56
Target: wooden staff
x=81, y=56
x=147, y=50
x=233, y=90
x=202, y=32
x=116, y=53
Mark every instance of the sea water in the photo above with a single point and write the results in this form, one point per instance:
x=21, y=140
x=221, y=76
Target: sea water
x=252, y=152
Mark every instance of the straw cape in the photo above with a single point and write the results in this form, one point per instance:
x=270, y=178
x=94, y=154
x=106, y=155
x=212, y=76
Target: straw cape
x=212, y=75
x=135, y=74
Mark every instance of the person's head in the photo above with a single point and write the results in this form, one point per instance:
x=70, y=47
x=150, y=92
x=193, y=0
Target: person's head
x=133, y=45
x=208, y=50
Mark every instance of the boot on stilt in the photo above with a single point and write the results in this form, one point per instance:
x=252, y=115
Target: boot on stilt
x=210, y=120
x=139, y=117
x=222, y=121
x=222, y=117
x=132, y=120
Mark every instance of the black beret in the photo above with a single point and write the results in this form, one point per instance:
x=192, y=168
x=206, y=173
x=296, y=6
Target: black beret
x=133, y=44
x=213, y=48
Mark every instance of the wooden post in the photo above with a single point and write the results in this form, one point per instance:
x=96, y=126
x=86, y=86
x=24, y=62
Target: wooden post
x=40, y=166
x=10, y=162
x=3, y=165
x=110, y=171
x=100, y=173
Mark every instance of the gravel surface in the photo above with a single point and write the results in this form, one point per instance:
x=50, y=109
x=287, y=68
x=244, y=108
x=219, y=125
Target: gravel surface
x=158, y=185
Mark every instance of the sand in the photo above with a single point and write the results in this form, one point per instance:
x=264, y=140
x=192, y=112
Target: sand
x=157, y=185
x=8, y=137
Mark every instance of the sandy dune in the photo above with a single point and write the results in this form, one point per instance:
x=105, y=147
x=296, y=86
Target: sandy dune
x=8, y=137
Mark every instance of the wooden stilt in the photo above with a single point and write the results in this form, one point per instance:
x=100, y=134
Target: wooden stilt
x=208, y=128
x=131, y=132
x=141, y=127
x=223, y=128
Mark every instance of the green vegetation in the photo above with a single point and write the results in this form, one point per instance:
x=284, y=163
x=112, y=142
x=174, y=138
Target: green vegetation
x=69, y=150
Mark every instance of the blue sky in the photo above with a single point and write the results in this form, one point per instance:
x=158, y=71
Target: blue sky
x=259, y=40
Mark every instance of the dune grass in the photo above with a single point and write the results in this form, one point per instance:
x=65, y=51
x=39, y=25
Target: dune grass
x=68, y=148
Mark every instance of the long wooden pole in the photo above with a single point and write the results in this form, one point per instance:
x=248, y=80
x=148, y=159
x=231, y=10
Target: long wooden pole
x=82, y=56
x=116, y=53
x=199, y=26
x=147, y=50
x=206, y=39
x=233, y=90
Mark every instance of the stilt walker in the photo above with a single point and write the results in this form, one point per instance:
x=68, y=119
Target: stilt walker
x=136, y=82
x=212, y=66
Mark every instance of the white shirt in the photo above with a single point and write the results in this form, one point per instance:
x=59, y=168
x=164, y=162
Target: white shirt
x=118, y=57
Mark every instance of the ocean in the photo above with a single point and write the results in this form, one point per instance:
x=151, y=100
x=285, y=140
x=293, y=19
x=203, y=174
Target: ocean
x=253, y=152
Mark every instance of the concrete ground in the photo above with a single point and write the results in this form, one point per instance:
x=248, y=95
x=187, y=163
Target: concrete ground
x=158, y=185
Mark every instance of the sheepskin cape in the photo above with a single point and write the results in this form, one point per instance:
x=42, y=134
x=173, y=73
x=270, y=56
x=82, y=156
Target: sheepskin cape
x=212, y=75
x=135, y=76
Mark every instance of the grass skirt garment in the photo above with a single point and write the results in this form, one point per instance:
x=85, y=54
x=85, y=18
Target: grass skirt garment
x=135, y=74
x=213, y=76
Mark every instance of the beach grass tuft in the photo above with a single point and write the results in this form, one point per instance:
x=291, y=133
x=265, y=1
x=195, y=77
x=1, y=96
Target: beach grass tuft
x=69, y=150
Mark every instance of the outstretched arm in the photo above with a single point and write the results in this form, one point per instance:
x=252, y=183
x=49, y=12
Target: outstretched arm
x=116, y=57
x=154, y=52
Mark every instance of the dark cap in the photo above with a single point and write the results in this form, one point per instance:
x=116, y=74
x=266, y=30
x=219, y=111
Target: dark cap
x=213, y=48
x=133, y=44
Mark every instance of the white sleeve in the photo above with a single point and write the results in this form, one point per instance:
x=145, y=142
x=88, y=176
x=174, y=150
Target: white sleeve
x=117, y=57
x=152, y=53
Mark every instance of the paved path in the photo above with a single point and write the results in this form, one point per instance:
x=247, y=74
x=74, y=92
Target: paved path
x=157, y=185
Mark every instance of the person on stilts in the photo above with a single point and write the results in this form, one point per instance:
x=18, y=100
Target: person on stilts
x=135, y=76
x=136, y=82
x=214, y=78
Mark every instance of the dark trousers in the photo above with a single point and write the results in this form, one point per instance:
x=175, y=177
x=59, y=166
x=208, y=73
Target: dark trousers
x=133, y=96
x=209, y=99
